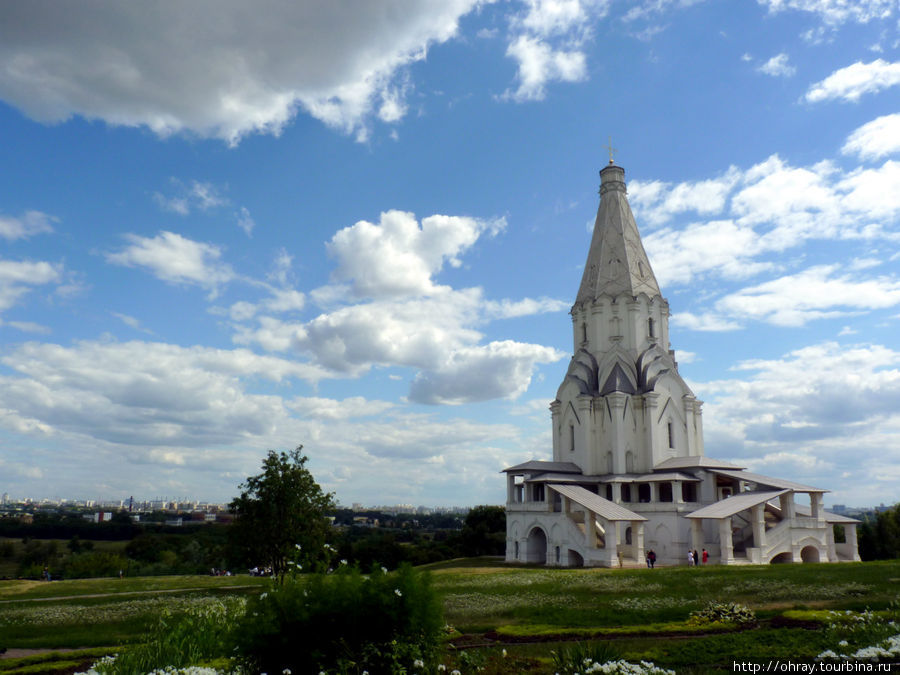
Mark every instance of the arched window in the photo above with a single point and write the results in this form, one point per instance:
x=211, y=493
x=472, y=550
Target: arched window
x=650, y=327
x=671, y=428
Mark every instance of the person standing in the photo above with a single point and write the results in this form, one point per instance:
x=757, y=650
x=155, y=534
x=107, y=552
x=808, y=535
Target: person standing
x=705, y=556
x=696, y=558
x=690, y=558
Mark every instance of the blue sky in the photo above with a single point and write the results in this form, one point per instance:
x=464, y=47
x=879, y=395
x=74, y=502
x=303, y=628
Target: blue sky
x=228, y=228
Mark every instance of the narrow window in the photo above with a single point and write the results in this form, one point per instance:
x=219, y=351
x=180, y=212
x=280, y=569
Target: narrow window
x=650, y=327
x=688, y=492
x=671, y=428
x=539, y=492
x=571, y=439
x=517, y=551
x=557, y=554
x=609, y=492
x=584, y=332
x=626, y=492
x=644, y=493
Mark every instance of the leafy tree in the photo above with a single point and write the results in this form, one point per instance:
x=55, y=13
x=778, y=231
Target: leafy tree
x=484, y=532
x=280, y=515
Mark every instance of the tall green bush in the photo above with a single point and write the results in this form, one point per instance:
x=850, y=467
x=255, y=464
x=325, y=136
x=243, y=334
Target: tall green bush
x=345, y=622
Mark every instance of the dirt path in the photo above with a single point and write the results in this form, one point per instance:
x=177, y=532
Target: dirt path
x=124, y=593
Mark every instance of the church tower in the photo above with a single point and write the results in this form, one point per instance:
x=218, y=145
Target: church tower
x=622, y=407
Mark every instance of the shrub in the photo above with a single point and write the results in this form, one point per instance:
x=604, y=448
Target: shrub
x=723, y=612
x=345, y=622
x=178, y=641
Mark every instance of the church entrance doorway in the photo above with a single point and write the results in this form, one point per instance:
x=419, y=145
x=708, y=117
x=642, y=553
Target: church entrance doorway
x=536, y=550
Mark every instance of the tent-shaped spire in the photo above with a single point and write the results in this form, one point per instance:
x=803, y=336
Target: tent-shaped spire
x=617, y=262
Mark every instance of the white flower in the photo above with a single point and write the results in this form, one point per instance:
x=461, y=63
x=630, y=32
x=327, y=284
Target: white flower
x=298, y=547
x=398, y=593
x=262, y=596
x=504, y=653
x=286, y=671
x=455, y=672
x=442, y=667
x=343, y=561
x=418, y=663
x=383, y=570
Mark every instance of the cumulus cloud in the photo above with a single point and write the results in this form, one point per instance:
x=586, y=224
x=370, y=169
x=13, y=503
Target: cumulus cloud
x=144, y=393
x=18, y=277
x=546, y=41
x=398, y=257
x=852, y=82
x=778, y=66
x=194, y=196
x=769, y=208
x=496, y=370
x=796, y=414
x=815, y=293
x=875, y=139
x=27, y=225
x=334, y=409
x=216, y=69
x=175, y=259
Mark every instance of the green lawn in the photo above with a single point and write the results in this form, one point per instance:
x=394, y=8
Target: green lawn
x=640, y=613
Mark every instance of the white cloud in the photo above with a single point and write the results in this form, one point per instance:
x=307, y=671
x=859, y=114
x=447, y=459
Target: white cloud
x=215, y=68
x=19, y=277
x=509, y=309
x=175, y=259
x=29, y=327
x=814, y=293
x=875, y=139
x=850, y=83
x=397, y=256
x=539, y=64
x=835, y=12
x=496, y=370
x=144, y=393
x=130, y=321
x=546, y=42
x=704, y=322
x=194, y=196
x=245, y=221
x=799, y=412
x=27, y=225
x=657, y=202
x=333, y=409
x=778, y=66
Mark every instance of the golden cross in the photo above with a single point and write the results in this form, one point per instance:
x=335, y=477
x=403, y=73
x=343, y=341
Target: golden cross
x=612, y=151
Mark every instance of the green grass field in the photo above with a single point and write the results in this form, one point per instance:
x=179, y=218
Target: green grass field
x=527, y=611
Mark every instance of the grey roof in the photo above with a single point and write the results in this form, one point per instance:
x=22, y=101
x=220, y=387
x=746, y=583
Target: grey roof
x=731, y=505
x=646, y=477
x=830, y=517
x=563, y=478
x=537, y=465
x=602, y=507
x=616, y=262
x=768, y=481
x=617, y=381
x=695, y=461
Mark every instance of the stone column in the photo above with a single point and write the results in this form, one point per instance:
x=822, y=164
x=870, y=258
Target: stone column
x=758, y=518
x=617, y=493
x=726, y=555
x=510, y=488
x=637, y=540
x=818, y=509
x=555, y=414
x=850, y=536
x=677, y=492
x=654, y=492
x=590, y=529
x=786, y=502
x=689, y=421
x=651, y=405
x=696, y=534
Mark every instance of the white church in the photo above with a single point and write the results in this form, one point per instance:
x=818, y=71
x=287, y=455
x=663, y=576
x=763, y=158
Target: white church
x=629, y=474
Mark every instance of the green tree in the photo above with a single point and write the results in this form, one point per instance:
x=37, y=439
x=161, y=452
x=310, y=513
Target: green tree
x=484, y=532
x=280, y=515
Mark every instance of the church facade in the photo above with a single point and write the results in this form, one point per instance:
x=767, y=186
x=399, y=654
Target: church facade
x=629, y=473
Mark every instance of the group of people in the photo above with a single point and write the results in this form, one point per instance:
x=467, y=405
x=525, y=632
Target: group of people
x=694, y=558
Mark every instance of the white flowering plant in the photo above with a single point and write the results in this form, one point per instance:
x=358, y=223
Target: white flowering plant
x=343, y=622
